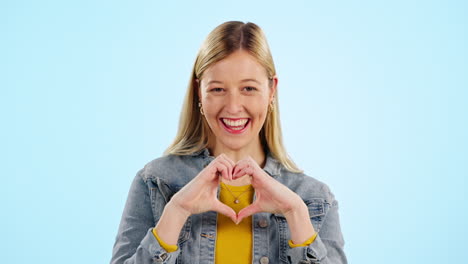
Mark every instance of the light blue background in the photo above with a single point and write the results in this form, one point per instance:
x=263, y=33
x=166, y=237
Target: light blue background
x=373, y=100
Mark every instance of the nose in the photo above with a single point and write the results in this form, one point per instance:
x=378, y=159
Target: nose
x=234, y=103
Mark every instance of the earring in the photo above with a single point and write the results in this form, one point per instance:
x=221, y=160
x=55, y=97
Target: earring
x=201, y=109
x=272, y=107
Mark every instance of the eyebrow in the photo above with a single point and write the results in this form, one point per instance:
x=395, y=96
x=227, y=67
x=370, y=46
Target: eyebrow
x=245, y=80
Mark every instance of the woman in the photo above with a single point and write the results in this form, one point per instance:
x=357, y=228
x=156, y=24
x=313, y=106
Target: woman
x=226, y=191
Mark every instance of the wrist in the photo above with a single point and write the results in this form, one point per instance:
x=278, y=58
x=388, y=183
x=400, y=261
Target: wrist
x=297, y=209
x=299, y=223
x=171, y=222
x=177, y=210
x=300, y=211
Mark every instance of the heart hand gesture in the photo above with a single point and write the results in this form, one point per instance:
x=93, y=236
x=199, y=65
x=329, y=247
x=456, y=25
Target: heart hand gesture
x=271, y=195
x=200, y=195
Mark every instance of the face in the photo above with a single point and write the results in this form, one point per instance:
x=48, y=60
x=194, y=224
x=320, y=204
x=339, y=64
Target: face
x=235, y=96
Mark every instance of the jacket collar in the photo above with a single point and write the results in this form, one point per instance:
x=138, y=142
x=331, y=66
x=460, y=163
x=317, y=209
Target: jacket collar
x=272, y=166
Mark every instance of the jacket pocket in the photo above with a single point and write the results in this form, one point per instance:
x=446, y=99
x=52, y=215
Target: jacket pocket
x=159, y=198
x=317, y=207
x=317, y=211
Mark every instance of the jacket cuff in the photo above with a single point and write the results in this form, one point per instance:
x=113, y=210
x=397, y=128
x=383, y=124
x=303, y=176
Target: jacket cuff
x=308, y=242
x=313, y=253
x=157, y=252
x=167, y=247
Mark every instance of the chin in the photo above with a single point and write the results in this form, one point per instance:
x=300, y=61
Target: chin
x=235, y=145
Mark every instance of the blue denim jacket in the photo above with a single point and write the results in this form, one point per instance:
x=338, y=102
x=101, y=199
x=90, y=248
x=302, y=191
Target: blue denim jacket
x=160, y=179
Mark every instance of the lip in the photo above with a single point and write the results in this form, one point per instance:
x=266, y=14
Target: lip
x=232, y=131
x=235, y=119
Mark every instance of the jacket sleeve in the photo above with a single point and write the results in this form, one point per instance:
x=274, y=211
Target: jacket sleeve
x=327, y=247
x=135, y=242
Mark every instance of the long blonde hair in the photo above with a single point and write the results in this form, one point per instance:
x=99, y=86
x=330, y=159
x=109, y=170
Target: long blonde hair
x=194, y=132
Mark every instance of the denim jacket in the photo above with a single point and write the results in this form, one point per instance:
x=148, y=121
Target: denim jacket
x=160, y=179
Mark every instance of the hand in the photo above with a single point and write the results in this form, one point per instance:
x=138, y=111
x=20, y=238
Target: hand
x=200, y=194
x=271, y=195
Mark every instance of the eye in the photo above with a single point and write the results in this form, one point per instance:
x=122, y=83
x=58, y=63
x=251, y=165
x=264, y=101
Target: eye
x=216, y=90
x=250, y=88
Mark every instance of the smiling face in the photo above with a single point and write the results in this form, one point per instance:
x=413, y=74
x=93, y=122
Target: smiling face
x=235, y=96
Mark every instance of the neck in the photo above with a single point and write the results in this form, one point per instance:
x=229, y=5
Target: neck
x=236, y=155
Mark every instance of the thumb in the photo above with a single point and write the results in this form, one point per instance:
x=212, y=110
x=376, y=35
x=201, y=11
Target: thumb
x=248, y=211
x=225, y=210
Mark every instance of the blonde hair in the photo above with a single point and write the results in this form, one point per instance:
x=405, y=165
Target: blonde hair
x=194, y=132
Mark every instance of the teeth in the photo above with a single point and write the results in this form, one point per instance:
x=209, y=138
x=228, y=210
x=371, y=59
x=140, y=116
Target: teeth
x=237, y=123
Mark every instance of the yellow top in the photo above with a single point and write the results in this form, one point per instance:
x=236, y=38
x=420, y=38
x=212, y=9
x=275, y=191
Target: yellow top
x=233, y=242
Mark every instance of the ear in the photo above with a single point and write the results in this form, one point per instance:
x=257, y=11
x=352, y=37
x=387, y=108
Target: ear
x=273, y=87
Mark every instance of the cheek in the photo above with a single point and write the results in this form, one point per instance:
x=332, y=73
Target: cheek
x=210, y=106
x=260, y=104
x=212, y=109
x=260, y=110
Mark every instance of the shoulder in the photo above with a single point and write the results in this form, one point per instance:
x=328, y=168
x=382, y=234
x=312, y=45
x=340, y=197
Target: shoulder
x=305, y=186
x=171, y=167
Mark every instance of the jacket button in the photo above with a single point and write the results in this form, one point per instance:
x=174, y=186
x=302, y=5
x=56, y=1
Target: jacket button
x=262, y=223
x=161, y=257
x=264, y=260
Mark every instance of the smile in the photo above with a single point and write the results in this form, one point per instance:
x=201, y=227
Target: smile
x=235, y=126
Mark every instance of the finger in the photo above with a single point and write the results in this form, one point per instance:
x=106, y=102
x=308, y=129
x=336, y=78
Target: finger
x=250, y=167
x=248, y=211
x=228, y=159
x=239, y=166
x=225, y=210
x=243, y=171
x=232, y=165
x=223, y=171
x=221, y=160
x=228, y=163
x=217, y=168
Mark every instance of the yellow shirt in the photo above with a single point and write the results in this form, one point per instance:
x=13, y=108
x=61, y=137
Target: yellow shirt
x=233, y=242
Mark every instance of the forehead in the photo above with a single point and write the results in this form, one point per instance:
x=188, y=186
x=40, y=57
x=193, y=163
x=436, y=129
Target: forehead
x=239, y=65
